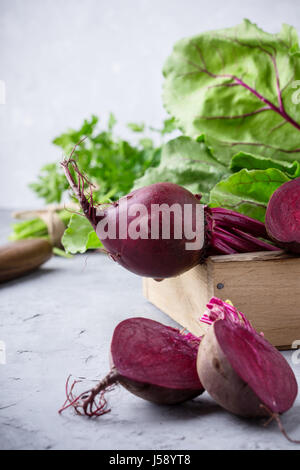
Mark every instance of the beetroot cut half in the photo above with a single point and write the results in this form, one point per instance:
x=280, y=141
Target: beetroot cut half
x=151, y=360
x=283, y=216
x=240, y=369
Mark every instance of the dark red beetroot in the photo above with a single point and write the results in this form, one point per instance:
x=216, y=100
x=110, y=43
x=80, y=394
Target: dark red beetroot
x=242, y=371
x=151, y=360
x=225, y=232
x=159, y=258
x=283, y=216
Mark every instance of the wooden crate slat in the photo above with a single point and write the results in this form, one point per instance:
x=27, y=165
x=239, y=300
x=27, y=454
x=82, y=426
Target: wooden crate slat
x=265, y=286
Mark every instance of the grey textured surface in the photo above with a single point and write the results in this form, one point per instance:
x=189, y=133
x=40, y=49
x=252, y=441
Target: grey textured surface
x=60, y=320
x=63, y=60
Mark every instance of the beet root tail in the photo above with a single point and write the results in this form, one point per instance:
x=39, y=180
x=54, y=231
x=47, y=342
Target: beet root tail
x=276, y=417
x=91, y=403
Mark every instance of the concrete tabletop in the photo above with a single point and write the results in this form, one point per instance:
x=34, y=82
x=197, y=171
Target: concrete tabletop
x=59, y=320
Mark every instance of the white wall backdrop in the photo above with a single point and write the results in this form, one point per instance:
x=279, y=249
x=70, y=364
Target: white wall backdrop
x=63, y=60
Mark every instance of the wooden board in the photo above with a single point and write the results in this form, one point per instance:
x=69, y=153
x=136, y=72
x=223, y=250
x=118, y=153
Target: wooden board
x=265, y=286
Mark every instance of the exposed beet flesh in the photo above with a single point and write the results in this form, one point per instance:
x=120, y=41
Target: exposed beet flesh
x=141, y=345
x=265, y=371
x=242, y=371
x=283, y=216
x=223, y=231
x=151, y=360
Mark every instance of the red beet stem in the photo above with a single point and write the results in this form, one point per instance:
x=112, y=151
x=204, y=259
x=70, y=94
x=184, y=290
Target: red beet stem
x=220, y=247
x=227, y=219
x=219, y=310
x=260, y=245
x=238, y=243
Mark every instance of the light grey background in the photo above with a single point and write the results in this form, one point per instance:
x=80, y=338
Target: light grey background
x=65, y=59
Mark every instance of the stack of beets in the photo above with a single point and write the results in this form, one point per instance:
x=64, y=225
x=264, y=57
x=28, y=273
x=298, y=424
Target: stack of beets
x=236, y=365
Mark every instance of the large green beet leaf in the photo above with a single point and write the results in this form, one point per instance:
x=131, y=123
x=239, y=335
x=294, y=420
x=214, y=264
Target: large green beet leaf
x=237, y=85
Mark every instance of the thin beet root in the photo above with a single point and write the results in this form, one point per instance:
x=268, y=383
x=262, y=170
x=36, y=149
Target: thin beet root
x=276, y=417
x=91, y=402
x=151, y=360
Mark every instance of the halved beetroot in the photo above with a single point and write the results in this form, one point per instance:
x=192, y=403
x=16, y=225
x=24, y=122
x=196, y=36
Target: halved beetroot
x=242, y=371
x=283, y=216
x=151, y=360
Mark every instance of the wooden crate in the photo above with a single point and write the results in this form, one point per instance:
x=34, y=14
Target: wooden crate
x=265, y=286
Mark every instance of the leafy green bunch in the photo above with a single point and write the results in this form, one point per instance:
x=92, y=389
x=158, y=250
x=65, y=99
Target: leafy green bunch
x=110, y=162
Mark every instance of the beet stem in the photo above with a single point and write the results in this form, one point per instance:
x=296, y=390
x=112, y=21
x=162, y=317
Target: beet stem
x=242, y=242
x=230, y=232
x=234, y=241
x=260, y=244
x=221, y=247
x=78, y=189
x=227, y=219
